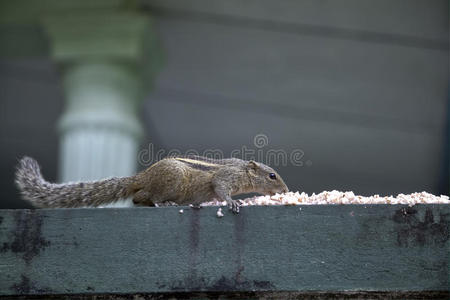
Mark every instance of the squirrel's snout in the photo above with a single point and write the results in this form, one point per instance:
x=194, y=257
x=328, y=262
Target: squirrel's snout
x=279, y=191
x=283, y=190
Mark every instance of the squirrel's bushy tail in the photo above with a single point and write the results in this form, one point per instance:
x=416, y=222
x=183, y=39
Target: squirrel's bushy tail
x=41, y=193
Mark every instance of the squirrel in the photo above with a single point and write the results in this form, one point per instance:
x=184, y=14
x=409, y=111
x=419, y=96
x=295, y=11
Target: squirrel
x=182, y=180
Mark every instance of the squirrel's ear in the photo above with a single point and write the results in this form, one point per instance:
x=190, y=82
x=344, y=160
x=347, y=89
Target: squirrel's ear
x=252, y=165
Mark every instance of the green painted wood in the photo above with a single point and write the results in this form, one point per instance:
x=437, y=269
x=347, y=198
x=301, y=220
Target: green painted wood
x=347, y=248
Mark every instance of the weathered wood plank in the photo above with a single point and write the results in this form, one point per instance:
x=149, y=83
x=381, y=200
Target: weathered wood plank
x=350, y=106
x=364, y=160
x=158, y=250
x=421, y=18
x=354, y=82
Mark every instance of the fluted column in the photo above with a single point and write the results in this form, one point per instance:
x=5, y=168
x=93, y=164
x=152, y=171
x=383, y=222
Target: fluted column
x=105, y=58
x=100, y=129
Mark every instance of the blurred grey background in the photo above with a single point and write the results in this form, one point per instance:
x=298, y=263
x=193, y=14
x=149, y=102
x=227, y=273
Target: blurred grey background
x=361, y=87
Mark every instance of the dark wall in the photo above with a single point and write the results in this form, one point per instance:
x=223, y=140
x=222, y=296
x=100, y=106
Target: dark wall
x=361, y=87
x=30, y=103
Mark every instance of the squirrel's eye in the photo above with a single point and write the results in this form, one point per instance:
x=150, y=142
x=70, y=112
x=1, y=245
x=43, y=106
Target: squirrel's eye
x=272, y=176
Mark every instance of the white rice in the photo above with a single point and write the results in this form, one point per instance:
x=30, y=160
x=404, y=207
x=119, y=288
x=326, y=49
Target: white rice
x=337, y=197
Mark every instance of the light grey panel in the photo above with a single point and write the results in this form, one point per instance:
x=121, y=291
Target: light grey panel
x=419, y=18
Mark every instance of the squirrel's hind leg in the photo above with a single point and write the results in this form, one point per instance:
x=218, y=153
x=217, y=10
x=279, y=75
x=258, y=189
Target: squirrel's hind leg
x=143, y=198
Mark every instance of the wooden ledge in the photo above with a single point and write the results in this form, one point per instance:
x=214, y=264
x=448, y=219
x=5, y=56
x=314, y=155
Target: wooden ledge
x=324, y=249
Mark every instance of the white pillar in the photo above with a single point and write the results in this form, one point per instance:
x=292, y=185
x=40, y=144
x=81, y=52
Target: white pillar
x=100, y=129
x=107, y=55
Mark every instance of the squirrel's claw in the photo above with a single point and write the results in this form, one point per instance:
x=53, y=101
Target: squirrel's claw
x=234, y=206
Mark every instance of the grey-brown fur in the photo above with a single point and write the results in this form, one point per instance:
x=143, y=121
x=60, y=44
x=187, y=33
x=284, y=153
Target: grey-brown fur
x=41, y=193
x=183, y=180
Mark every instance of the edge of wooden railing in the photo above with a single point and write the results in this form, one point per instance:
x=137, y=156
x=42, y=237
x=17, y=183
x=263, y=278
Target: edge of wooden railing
x=265, y=250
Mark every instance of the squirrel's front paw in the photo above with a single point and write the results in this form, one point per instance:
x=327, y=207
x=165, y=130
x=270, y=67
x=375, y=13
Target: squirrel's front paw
x=234, y=206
